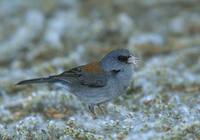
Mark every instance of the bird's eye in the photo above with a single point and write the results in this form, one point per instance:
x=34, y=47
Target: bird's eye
x=122, y=58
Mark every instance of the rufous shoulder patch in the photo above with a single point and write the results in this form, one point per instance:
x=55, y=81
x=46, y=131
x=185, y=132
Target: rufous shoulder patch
x=93, y=67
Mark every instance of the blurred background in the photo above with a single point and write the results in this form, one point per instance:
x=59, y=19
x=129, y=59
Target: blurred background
x=44, y=37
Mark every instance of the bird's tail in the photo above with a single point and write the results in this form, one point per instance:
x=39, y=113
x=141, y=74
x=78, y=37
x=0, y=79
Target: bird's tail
x=39, y=80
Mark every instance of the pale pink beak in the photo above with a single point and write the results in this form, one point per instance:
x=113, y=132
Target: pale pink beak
x=133, y=60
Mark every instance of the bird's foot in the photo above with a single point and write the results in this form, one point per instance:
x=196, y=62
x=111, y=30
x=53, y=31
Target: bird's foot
x=92, y=111
x=102, y=108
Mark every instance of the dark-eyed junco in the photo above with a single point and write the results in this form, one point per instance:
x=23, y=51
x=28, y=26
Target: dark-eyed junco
x=97, y=82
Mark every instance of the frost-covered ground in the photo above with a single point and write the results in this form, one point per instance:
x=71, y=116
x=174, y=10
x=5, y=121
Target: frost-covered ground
x=39, y=38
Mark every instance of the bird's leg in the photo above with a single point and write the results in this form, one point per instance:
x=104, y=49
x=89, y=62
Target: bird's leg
x=92, y=111
x=101, y=107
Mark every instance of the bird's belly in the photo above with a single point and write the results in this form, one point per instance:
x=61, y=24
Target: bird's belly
x=96, y=95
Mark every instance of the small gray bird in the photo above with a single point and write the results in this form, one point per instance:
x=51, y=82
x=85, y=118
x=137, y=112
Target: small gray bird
x=97, y=82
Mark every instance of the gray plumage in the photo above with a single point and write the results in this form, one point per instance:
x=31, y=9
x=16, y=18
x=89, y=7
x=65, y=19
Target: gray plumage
x=97, y=82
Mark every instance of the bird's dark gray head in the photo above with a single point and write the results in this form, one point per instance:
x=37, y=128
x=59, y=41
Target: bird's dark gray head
x=117, y=60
